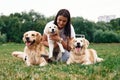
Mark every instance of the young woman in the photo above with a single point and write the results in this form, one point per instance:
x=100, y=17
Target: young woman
x=63, y=21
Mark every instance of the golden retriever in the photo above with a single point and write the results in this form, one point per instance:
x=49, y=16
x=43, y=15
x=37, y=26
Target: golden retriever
x=33, y=49
x=52, y=30
x=81, y=54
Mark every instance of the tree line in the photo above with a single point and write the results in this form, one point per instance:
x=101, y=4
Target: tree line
x=12, y=27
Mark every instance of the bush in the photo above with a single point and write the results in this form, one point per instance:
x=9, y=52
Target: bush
x=110, y=36
x=105, y=37
x=3, y=38
x=97, y=37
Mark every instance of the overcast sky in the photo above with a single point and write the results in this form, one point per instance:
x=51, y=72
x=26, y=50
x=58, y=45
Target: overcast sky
x=88, y=9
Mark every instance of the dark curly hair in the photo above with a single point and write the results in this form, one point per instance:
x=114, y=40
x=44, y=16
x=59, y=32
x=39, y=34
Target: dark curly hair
x=67, y=28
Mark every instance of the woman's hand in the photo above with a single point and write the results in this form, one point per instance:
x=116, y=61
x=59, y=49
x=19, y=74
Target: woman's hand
x=55, y=38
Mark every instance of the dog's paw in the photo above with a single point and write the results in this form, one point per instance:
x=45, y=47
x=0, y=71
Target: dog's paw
x=87, y=63
x=28, y=63
x=67, y=62
x=50, y=55
x=15, y=53
x=63, y=51
x=43, y=64
x=100, y=59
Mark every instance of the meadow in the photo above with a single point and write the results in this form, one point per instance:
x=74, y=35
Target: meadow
x=12, y=68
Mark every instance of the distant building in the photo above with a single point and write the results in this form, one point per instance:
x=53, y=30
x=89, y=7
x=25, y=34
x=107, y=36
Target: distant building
x=106, y=18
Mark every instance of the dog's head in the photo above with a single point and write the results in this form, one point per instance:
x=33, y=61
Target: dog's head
x=52, y=29
x=80, y=44
x=32, y=38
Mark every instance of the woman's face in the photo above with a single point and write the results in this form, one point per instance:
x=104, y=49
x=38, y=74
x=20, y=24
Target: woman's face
x=61, y=21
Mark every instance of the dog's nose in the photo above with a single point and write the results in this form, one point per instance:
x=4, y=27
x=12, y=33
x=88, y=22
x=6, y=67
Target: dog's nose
x=52, y=30
x=78, y=44
x=27, y=38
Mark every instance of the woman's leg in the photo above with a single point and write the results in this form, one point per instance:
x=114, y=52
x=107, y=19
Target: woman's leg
x=65, y=56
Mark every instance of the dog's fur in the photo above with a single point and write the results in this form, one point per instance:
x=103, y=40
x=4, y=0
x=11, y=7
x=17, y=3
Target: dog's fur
x=81, y=54
x=52, y=30
x=33, y=49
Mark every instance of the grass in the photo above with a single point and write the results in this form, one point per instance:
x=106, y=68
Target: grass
x=12, y=68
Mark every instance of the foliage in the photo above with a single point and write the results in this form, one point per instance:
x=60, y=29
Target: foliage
x=116, y=25
x=84, y=27
x=12, y=68
x=2, y=38
x=105, y=37
x=16, y=24
x=103, y=26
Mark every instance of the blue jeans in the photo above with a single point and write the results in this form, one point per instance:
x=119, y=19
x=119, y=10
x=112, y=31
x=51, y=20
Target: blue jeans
x=65, y=56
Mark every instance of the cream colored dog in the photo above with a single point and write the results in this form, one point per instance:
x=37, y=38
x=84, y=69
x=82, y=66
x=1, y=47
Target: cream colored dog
x=52, y=29
x=33, y=49
x=80, y=53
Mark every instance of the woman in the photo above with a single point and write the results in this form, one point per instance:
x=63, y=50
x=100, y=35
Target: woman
x=63, y=21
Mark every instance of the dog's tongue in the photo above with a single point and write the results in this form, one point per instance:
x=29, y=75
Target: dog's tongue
x=78, y=49
x=28, y=43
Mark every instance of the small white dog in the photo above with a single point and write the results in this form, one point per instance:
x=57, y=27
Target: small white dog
x=81, y=54
x=52, y=29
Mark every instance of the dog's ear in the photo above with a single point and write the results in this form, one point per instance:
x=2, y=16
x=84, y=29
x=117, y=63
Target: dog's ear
x=24, y=37
x=86, y=43
x=38, y=37
x=46, y=30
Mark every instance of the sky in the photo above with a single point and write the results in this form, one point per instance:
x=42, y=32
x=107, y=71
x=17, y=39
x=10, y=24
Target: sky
x=88, y=9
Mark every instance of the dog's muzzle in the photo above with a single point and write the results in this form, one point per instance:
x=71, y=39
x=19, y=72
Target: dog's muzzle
x=53, y=31
x=28, y=42
x=78, y=47
x=27, y=39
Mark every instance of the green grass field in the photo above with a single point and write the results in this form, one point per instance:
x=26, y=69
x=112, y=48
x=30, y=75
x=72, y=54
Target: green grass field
x=12, y=68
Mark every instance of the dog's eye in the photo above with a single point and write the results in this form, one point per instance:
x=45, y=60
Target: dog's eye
x=33, y=34
x=49, y=27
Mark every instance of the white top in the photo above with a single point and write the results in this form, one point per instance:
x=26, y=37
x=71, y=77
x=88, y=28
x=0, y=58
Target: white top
x=62, y=35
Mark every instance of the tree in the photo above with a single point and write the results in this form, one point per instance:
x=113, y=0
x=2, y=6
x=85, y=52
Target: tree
x=84, y=27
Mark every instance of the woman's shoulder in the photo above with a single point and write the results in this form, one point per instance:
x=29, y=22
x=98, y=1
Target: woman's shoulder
x=72, y=28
